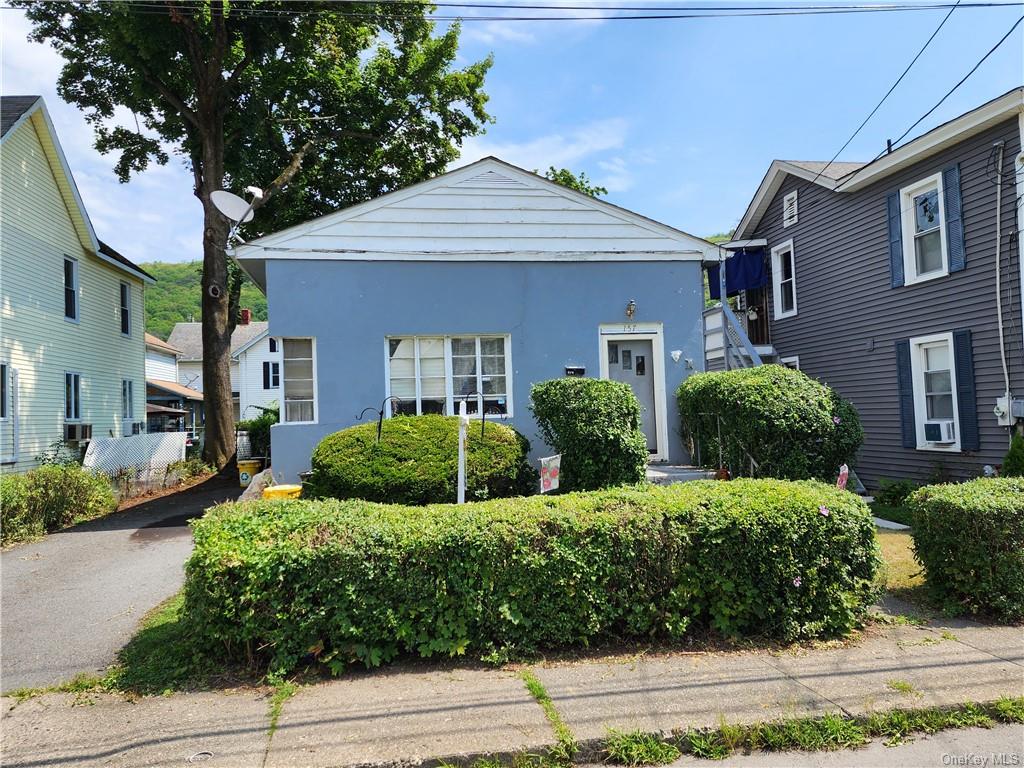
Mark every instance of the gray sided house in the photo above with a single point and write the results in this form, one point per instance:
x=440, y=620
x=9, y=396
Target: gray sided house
x=473, y=286
x=898, y=282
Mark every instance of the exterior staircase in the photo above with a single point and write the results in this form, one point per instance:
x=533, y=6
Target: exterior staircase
x=726, y=344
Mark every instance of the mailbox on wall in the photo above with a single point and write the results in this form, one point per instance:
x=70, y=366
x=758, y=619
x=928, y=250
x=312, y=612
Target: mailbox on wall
x=575, y=370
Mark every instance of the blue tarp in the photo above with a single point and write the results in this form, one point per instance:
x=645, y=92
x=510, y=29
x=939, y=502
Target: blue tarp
x=745, y=270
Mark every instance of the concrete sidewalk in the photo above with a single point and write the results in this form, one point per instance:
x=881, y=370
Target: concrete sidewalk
x=408, y=714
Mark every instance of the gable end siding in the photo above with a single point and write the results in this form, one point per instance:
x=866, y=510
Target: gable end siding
x=851, y=317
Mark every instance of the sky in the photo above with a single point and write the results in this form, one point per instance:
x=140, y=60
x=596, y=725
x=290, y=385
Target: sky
x=679, y=119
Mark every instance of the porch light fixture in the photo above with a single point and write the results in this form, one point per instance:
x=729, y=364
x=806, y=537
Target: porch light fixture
x=631, y=309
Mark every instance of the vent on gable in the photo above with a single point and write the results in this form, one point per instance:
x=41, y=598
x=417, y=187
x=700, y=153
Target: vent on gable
x=789, y=211
x=490, y=179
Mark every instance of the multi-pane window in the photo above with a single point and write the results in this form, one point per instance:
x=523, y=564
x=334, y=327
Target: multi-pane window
x=126, y=309
x=299, y=380
x=938, y=380
x=432, y=374
x=924, y=244
x=784, y=280
x=72, y=396
x=127, y=400
x=271, y=375
x=70, y=289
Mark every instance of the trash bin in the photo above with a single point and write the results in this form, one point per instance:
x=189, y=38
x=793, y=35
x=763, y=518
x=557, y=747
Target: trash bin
x=246, y=469
x=282, y=491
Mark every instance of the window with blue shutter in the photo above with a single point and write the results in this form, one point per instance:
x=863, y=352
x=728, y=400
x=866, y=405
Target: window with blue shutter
x=905, y=384
x=966, y=395
x=954, y=218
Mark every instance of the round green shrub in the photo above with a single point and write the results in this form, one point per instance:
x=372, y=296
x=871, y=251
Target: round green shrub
x=791, y=425
x=507, y=577
x=416, y=462
x=969, y=538
x=51, y=497
x=595, y=425
x=1013, y=464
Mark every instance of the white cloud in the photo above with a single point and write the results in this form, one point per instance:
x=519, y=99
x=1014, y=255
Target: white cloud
x=563, y=149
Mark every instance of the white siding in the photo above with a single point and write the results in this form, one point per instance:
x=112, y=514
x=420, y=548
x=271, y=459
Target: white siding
x=37, y=233
x=161, y=365
x=190, y=373
x=250, y=378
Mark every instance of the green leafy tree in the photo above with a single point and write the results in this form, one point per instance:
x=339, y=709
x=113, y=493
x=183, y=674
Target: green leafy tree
x=579, y=181
x=334, y=102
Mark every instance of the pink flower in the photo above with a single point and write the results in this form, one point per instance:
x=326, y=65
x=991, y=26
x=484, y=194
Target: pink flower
x=797, y=581
x=823, y=511
x=836, y=420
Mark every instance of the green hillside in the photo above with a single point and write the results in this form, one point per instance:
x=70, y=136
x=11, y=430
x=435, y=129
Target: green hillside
x=176, y=296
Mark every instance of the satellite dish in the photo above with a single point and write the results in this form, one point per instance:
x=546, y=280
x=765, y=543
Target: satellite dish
x=232, y=206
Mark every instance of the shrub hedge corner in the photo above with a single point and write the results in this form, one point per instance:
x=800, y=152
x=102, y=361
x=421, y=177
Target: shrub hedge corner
x=416, y=462
x=51, y=497
x=969, y=538
x=791, y=425
x=595, y=425
x=365, y=582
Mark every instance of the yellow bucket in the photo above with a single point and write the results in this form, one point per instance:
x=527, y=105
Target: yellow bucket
x=246, y=470
x=282, y=491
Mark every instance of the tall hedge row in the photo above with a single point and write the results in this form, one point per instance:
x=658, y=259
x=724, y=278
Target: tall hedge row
x=416, y=462
x=969, y=537
x=49, y=498
x=792, y=426
x=356, y=582
x=595, y=425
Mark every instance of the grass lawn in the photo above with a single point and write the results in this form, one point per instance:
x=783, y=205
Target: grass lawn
x=893, y=514
x=901, y=575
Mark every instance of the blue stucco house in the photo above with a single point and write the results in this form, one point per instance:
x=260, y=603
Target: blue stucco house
x=474, y=285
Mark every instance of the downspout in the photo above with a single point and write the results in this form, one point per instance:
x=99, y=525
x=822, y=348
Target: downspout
x=999, y=269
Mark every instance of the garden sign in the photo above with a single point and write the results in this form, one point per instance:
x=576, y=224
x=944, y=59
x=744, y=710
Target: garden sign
x=549, y=469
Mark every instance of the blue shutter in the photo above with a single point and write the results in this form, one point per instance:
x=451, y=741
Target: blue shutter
x=895, y=240
x=905, y=382
x=954, y=218
x=966, y=395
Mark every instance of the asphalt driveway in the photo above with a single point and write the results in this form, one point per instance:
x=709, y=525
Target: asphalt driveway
x=71, y=600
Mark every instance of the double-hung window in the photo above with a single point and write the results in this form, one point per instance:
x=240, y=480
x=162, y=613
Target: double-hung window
x=70, y=288
x=299, y=380
x=923, y=215
x=784, y=280
x=935, y=396
x=127, y=399
x=432, y=374
x=126, y=309
x=271, y=375
x=72, y=397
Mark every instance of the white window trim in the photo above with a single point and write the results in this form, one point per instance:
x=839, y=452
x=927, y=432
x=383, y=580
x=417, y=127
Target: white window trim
x=787, y=219
x=78, y=399
x=316, y=401
x=127, y=309
x=451, y=402
x=920, y=408
x=793, y=360
x=777, y=252
x=78, y=289
x=907, y=194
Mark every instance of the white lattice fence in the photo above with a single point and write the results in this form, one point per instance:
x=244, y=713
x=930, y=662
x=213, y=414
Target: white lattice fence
x=136, y=462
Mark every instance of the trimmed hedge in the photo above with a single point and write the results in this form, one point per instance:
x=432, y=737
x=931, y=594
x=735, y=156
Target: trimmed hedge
x=793, y=426
x=969, y=538
x=49, y=498
x=595, y=425
x=416, y=462
x=351, y=581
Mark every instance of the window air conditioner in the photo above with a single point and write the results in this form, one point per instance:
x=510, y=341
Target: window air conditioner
x=85, y=431
x=940, y=432
x=71, y=433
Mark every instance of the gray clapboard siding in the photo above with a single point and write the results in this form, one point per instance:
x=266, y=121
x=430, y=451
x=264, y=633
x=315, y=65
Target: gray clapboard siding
x=850, y=317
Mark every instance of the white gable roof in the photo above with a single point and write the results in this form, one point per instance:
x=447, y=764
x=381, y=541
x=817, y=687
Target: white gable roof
x=487, y=211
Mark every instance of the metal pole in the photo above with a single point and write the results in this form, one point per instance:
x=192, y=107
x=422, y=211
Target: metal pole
x=463, y=423
x=725, y=320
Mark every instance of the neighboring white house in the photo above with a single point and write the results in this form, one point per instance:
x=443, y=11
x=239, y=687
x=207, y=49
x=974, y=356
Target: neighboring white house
x=255, y=365
x=170, y=406
x=72, y=355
